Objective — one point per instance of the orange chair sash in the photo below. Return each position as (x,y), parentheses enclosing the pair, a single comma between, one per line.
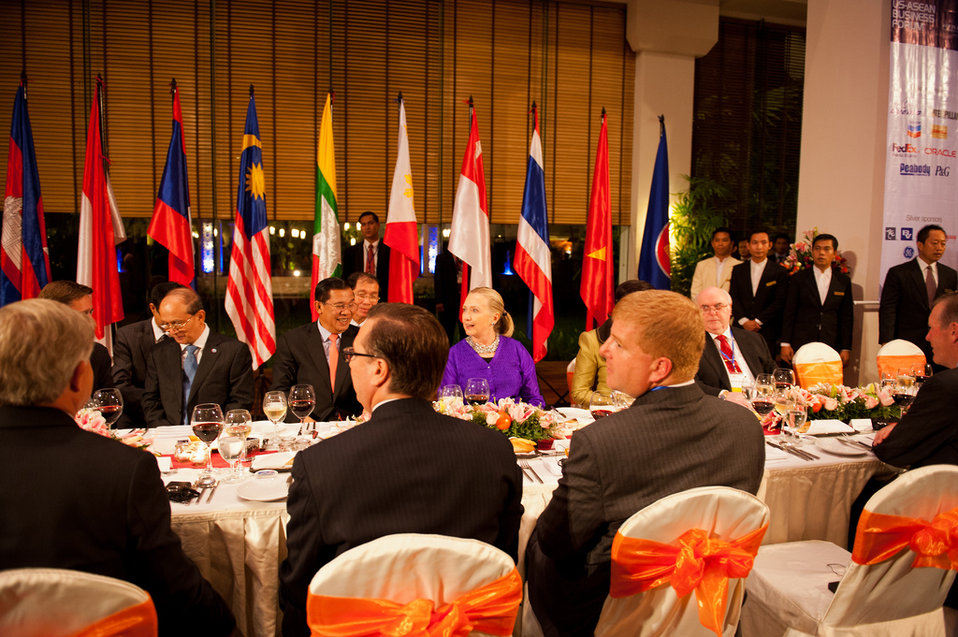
(695,562)
(890,364)
(882,536)
(823,372)
(489,609)
(134,621)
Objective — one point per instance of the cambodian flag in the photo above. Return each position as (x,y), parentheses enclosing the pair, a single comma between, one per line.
(24,258)
(533,260)
(654,259)
(171,224)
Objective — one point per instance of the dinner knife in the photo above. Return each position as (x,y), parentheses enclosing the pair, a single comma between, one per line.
(527,468)
(215,486)
(804,455)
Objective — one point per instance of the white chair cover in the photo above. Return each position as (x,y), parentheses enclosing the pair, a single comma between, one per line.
(788,587)
(49,602)
(569,375)
(409,566)
(726,514)
(898,354)
(817,363)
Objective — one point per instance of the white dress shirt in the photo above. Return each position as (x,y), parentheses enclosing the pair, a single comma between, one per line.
(200,344)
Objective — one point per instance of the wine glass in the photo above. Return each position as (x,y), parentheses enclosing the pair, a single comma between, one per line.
(477,391)
(621,400)
(795,417)
(783,377)
(762,392)
(207,422)
(109,402)
(302,401)
(888,380)
(274,406)
(905,390)
(231,449)
(450,391)
(239,424)
(922,373)
(601,405)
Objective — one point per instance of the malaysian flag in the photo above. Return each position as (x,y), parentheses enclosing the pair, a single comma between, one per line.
(24,258)
(533,260)
(249,293)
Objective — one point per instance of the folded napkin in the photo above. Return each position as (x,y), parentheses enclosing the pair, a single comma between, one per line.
(861,425)
(165,463)
(281,461)
(823,427)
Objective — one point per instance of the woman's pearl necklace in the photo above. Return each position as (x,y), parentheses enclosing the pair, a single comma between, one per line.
(483,349)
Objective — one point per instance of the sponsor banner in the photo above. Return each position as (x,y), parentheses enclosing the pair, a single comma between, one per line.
(921,151)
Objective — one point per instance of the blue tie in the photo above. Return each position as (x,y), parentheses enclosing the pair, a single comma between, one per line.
(189,373)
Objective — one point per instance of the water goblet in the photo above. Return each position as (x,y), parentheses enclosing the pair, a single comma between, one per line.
(783,377)
(207,422)
(239,424)
(109,402)
(450,395)
(231,449)
(477,391)
(795,417)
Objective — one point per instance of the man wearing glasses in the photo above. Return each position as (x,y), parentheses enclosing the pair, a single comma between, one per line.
(366,294)
(732,355)
(195,365)
(313,354)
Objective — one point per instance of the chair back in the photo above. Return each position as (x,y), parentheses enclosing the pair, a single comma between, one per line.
(816,363)
(569,375)
(899,354)
(420,579)
(722,513)
(50,602)
(865,591)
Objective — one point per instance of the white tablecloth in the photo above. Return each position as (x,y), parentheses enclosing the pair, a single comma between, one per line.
(238,545)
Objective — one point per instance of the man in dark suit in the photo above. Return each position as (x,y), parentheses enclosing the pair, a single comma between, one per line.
(407,470)
(131,352)
(195,365)
(76,500)
(758,289)
(819,305)
(911,287)
(80,298)
(732,355)
(673,437)
(303,354)
(371,256)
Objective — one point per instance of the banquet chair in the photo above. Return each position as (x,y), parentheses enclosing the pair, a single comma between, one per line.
(429,582)
(899,354)
(816,363)
(885,588)
(569,375)
(50,602)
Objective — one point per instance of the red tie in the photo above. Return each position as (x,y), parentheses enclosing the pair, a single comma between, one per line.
(728,356)
(371,260)
(333,360)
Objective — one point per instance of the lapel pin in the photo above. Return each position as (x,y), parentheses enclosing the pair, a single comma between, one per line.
(213,351)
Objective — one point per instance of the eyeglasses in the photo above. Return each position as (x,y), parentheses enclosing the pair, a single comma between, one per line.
(339,307)
(349,353)
(718,307)
(176,325)
(368,297)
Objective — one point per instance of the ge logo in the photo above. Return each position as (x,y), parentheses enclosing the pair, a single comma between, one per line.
(909,252)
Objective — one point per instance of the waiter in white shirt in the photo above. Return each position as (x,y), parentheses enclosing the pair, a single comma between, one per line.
(716,270)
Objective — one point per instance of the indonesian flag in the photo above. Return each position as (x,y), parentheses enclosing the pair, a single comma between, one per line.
(469,234)
(597,275)
(401,235)
(327,260)
(533,260)
(100,229)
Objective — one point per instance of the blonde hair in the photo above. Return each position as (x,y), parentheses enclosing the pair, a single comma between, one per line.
(41,343)
(668,325)
(504,325)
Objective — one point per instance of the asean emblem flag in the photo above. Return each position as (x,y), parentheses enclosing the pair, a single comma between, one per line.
(24,258)
(401,234)
(654,259)
(249,293)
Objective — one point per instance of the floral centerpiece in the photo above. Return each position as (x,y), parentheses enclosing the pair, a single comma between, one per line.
(516,420)
(800,255)
(825,401)
(92,420)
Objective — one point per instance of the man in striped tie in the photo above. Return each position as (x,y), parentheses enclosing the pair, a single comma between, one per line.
(732,355)
(371,256)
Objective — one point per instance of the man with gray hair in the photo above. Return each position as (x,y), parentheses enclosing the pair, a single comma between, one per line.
(77,500)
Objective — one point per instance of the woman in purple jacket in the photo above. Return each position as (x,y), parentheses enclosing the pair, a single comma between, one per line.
(488,352)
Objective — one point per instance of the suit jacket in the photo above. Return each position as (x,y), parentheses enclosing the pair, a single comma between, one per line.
(807,320)
(301,358)
(928,433)
(711,376)
(668,441)
(903,312)
(100,362)
(407,470)
(767,304)
(705,271)
(224,376)
(354,261)
(131,353)
(73,499)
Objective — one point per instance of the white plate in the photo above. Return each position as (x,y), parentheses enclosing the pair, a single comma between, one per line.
(836,447)
(581,415)
(261,490)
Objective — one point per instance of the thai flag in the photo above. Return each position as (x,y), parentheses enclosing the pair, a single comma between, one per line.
(24,258)
(533,260)
(249,292)
(171,224)
(654,259)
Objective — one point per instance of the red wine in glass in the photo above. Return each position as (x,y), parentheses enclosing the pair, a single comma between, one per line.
(782,386)
(763,407)
(110,413)
(903,400)
(601,413)
(476,399)
(302,407)
(207,431)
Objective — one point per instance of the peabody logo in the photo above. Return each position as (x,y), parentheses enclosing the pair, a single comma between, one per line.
(914,130)
(939,131)
(920,170)
(941,113)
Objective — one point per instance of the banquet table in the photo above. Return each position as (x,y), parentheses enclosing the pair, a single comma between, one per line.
(239,545)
